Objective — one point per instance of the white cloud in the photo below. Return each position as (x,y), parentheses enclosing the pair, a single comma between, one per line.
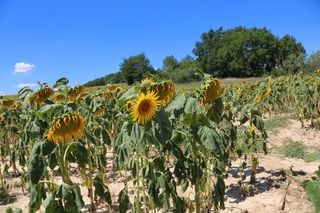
(26,85)
(22,67)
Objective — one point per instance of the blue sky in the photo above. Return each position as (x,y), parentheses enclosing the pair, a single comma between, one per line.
(43,40)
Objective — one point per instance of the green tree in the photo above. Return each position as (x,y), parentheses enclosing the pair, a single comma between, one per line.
(170,63)
(186,71)
(241,52)
(287,46)
(294,63)
(135,68)
(207,51)
(313,62)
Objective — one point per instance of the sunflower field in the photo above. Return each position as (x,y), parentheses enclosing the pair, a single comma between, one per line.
(170,151)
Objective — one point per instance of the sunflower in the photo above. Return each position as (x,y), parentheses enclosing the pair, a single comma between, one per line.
(211,91)
(7,104)
(165,91)
(112,88)
(99,111)
(59,97)
(65,128)
(1,118)
(16,105)
(41,96)
(129,105)
(75,92)
(145,107)
(119,89)
(107,95)
(264,95)
(148,81)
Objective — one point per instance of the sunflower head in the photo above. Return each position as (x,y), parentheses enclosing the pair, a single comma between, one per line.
(107,95)
(145,107)
(75,92)
(211,91)
(66,127)
(1,118)
(7,104)
(266,93)
(16,105)
(59,97)
(165,91)
(119,89)
(99,111)
(112,88)
(129,105)
(41,96)
(149,81)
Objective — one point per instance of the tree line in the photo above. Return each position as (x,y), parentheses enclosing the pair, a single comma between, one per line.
(236,52)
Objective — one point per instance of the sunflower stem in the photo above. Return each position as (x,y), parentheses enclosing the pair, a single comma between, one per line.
(138,186)
(62,165)
(143,187)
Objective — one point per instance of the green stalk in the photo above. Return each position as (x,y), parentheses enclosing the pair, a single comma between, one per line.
(62,165)
(197,197)
(197,188)
(138,185)
(93,208)
(143,188)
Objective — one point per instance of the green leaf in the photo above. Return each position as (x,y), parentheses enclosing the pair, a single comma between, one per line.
(218,193)
(212,141)
(36,164)
(258,122)
(46,111)
(176,104)
(127,95)
(215,112)
(195,120)
(123,200)
(162,128)
(47,147)
(36,194)
(105,137)
(61,81)
(78,153)
(78,197)
(192,105)
(102,190)
(313,191)
(137,133)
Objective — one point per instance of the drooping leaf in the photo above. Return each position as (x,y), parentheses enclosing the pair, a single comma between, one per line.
(102,190)
(61,81)
(195,119)
(36,164)
(176,104)
(192,105)
(162,128)
(212,141)
(123,200)
(215,112)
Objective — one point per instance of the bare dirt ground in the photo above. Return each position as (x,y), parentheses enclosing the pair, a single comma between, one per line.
(277,189)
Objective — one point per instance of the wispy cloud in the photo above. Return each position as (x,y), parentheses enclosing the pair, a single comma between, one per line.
(22,67)
(26,85)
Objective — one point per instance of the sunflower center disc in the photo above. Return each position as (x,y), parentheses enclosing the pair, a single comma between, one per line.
(144,107)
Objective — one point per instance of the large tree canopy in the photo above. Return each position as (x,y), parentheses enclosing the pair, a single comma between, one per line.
(135,68)
(242,52)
